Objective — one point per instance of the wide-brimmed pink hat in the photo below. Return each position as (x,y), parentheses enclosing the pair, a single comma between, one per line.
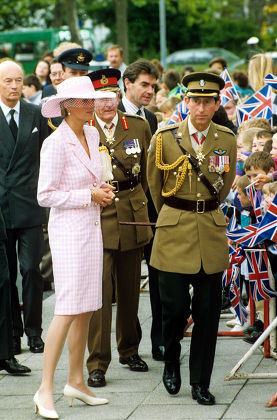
(75,88)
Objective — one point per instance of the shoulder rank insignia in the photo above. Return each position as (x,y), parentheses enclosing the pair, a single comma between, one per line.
(124,122)
(91,123)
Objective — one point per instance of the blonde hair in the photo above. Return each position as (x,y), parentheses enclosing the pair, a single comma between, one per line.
(259,66)
(247,137)
(242,182)
(255,122)
(169,104)
(270,188)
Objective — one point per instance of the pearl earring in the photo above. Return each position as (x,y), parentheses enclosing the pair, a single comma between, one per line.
(68,112)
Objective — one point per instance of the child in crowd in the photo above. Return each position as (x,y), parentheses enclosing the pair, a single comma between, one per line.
(161,96)
(255,122)
(245,217)
(167,108)
(260,139)
(254,332)
(259,163)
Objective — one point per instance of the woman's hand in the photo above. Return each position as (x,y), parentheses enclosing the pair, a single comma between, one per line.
(103,195)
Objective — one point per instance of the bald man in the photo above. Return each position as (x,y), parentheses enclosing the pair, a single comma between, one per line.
(22,131)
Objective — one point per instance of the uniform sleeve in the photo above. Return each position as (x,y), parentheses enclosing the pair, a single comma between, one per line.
(154,176)
(229,177)
(52,162)
(146,142)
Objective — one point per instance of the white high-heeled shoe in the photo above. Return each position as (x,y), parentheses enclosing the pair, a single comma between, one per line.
(70,393)
(44,412)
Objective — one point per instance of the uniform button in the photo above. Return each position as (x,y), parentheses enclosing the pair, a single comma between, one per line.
(198,195)
(112,150)
(135,156)
(95,184)
(175,173)
(85,205)
(116,199)
(143,203)
(198,179)
(96,223)
(114,166)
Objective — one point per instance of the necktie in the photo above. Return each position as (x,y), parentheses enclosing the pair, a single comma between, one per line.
(139,112)
(13,125)
(109,126)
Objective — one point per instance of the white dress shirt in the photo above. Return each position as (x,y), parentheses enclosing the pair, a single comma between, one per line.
(6,111)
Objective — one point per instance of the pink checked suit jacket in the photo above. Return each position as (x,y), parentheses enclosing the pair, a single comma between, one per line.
(66,177)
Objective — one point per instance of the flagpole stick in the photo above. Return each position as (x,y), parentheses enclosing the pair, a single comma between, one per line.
(265,334)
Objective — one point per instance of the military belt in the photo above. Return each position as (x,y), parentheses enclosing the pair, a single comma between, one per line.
(198,206)
(126,185)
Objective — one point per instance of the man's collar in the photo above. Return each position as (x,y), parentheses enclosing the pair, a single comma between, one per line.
(193,130)
(130,107)
(103,123)
(7,109)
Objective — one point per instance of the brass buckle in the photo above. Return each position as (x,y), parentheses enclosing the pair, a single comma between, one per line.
(199,205)
(116,186)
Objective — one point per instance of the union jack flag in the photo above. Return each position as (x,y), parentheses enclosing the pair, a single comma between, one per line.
(271,80)
(268,227)
(180,113)
(257,106)
(233,224)
(245,236)
(234,294)
(255,198)
(224,207)
(229,91)
(241,116)
(258,275)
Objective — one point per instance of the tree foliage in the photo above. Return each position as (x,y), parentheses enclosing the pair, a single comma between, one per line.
(190,24)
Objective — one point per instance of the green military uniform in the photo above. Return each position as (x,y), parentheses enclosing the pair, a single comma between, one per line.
(123,245)
(190,244)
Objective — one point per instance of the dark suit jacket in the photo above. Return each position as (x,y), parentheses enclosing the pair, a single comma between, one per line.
(19,168)
(48,90)
(151,118)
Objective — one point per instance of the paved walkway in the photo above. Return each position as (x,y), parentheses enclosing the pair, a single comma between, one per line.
(141,396)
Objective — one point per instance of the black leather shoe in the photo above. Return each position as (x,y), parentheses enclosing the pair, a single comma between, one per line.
(158,353)
(16,345)
(135,363)
(97,378)
(172,377)
(258,326)
(12,366)
(202,395)
(253,337)
(36,344)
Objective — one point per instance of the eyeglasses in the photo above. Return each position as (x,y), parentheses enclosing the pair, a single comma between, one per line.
(57,74)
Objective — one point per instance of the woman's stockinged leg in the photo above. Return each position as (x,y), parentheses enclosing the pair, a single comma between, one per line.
(55,339)
(77,339)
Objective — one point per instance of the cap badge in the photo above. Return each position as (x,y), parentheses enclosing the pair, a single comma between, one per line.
(81,58)
(202,82)
(104,80)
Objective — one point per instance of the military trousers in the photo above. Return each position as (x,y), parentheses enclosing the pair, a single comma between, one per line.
(205,308)
(125,268)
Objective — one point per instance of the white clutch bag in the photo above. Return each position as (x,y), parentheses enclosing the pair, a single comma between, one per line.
(106,162)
